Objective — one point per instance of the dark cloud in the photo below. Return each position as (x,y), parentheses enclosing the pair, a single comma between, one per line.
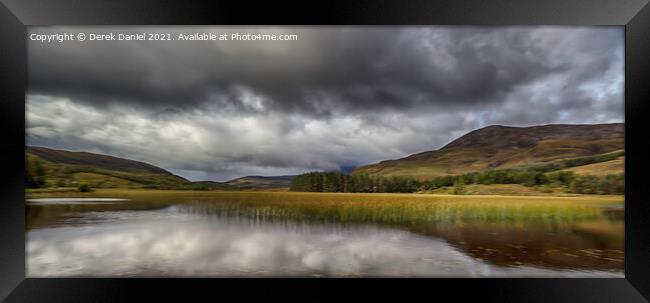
(351,69)
(337,97)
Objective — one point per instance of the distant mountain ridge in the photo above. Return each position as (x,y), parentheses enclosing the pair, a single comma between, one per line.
(250,182)
(500,146)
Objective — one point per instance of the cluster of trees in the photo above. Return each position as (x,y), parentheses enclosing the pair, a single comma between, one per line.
(525,177)
(611,184)
(34,173)
(363,183)
(357,183)
(35,176)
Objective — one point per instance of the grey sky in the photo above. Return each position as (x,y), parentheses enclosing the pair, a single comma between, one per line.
(337,97)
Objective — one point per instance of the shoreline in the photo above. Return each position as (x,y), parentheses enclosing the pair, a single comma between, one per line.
(121,191)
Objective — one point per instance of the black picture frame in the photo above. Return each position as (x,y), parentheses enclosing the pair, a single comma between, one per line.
(15,15)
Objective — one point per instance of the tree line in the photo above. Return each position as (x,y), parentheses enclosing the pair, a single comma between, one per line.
(357,183)
(363,183)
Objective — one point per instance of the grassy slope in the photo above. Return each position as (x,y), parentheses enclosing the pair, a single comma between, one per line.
(600,169)
(616,166)
(72,174)
(96,161)
(101,180)
(65,169)
(68,169)
(499,147)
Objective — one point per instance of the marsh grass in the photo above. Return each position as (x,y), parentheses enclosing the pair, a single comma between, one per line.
(376,208)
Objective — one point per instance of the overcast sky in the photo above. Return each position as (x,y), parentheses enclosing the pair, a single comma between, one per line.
(336,98)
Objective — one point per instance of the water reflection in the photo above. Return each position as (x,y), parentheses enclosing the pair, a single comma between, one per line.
(595,244)
(198,239)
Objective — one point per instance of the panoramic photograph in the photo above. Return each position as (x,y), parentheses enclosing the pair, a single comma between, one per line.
(325,151)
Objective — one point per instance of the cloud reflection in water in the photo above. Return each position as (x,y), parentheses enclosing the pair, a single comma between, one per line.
(152,244)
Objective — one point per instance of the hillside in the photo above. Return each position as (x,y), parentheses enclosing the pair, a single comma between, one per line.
(65,168)
(260,182)
(615,166)
(68,169)
(502,147)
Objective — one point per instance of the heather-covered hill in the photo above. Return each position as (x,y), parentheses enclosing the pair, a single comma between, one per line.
(502,147)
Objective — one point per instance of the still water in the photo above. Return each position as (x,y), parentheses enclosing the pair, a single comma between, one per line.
(110,237)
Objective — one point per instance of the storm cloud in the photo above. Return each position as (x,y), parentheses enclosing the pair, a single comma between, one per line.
(336,97)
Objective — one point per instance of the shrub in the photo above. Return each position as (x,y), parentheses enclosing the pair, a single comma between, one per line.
(561,178)
(83,187)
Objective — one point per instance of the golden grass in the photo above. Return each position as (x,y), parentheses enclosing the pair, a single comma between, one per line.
(380,208)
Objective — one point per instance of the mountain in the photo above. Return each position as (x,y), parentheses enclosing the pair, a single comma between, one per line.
(499,147)
(260,182)
(492,147)
(67,168)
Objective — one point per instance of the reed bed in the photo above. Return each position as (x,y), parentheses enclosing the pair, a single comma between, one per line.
(379,208)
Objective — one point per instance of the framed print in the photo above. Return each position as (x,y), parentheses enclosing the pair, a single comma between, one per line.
(438,146)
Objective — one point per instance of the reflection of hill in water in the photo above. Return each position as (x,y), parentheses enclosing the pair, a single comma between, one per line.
(44,215)
(592,244)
